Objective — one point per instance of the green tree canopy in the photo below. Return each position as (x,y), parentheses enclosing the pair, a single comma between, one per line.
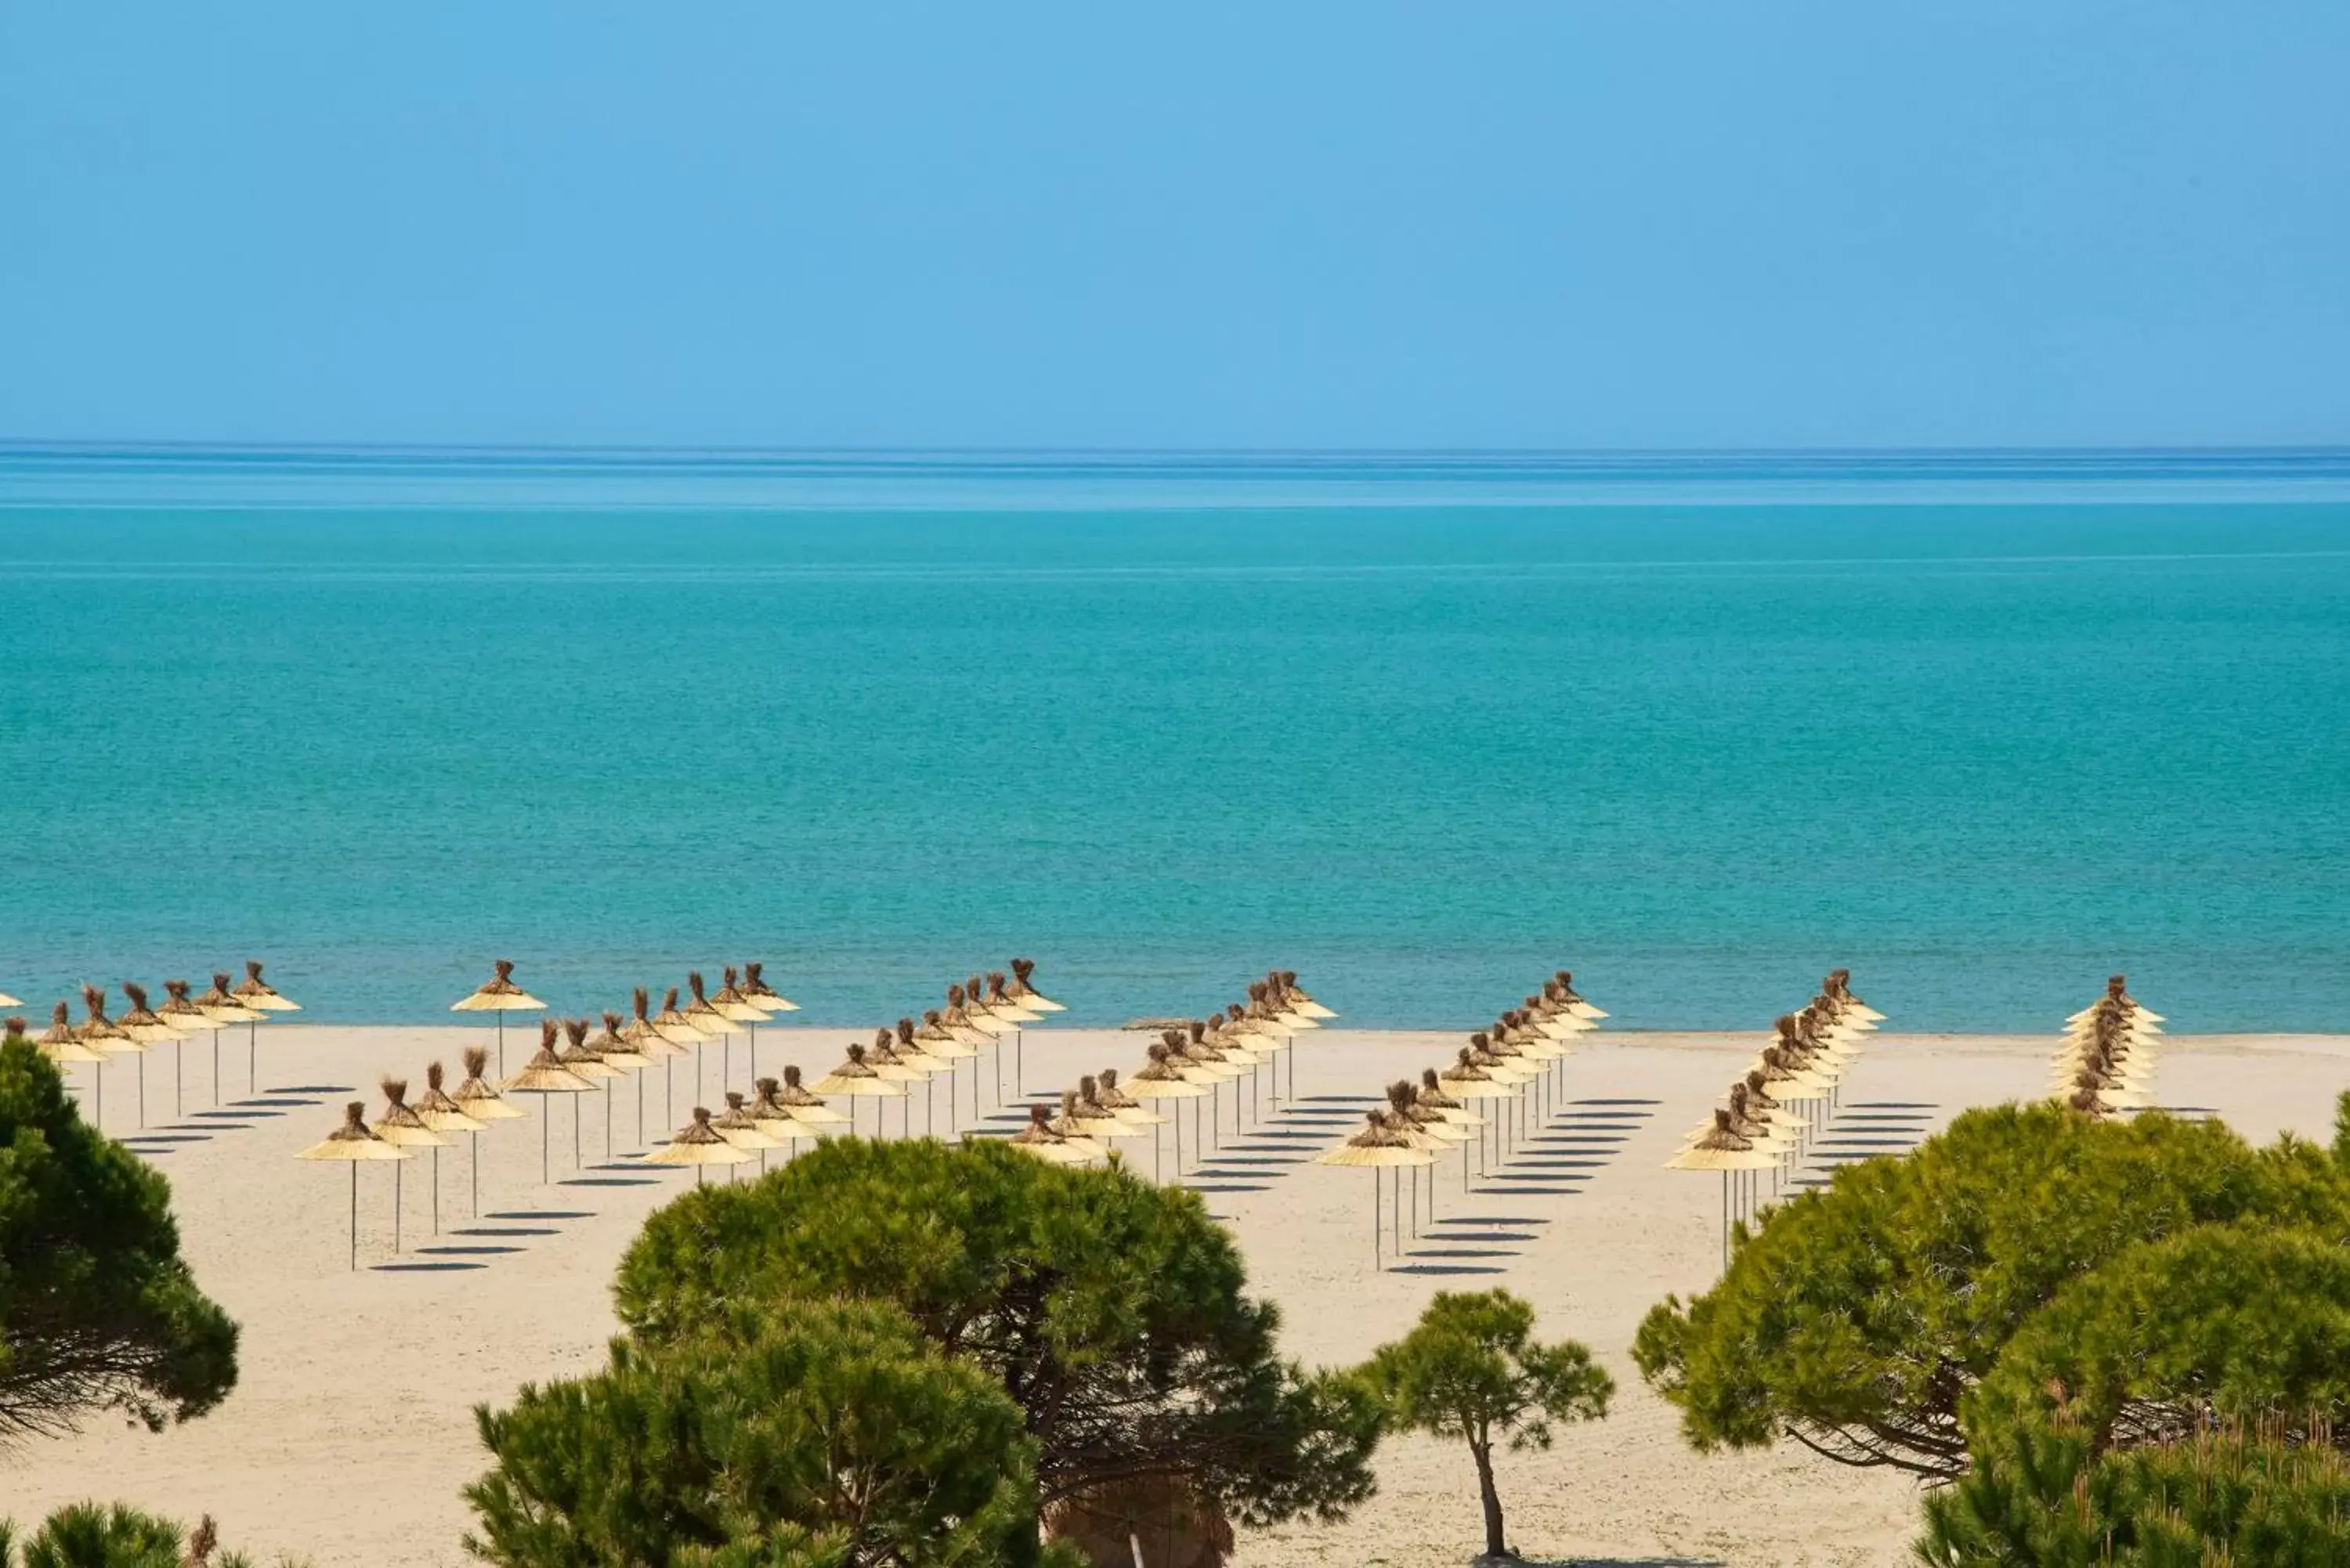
(97,1309)
(111,1535)
(1471,1369)
(1857,1318)
(2226,1495)
(2221,1323)
(833,1435)
(1112,1311)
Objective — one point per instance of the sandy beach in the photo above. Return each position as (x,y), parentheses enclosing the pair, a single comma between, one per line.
(350,1431)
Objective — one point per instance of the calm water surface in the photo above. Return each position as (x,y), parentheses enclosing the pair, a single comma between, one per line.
(1420,738)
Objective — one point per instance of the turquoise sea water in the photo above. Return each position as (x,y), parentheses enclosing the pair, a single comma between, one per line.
(1982,729)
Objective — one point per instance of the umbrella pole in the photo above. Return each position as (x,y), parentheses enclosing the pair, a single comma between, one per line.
(698,1096)
(355,1216)
(477,1164)
(1020,1061)
(753,1030)
(640,1110)
(216,1069)
(1378,1258)
(1156,1140)
(398,1171)
(179,1071)
(541,1139)
(574,1132)
(668,1088)
(1179,1142)
(142,1088)
(501,1016)
(436,1189)
(725,1063)
(253,1056)
(608,1121)
(98,1076)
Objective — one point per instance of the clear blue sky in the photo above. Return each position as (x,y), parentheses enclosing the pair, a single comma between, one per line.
(1548,225)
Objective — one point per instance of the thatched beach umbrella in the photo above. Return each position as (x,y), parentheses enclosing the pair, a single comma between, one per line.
(1441,1131)
(499,995)
(616,1050)
(716,1025)
(588,1065)
(479,1101)
(645,1037)
(1022,989)
(1164,1077)
(220,1008)
(935,1039)
(1039,1138)
(761,994)
(403,1128)
(141,1024)
(8,1001)
(99,1032)
(180,1012)
(1075,1134)
(775,1118)
(354,1143)
(682,1033)
(1096,1120)
(806,1106)
(262,998)
(882,1057)
(745,1010)
(436,1110)
(62,1044)
(859,1081)
(1719,1147)
(544,1075)
(697,1144)
(738,1126)
(1381,1146)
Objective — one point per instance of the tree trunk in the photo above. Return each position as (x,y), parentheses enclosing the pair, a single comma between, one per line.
(1494,1545)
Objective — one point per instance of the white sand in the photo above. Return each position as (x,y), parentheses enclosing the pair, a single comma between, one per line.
(350,1431)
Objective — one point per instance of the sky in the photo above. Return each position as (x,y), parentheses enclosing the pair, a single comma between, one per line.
(1500,224)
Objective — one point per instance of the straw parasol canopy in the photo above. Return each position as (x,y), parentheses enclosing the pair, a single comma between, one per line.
(1432,1095)
(857,1079)
(1023,990)
(776,1118)
(220,1006)
(701,1014)
(674,1025)
(1039,1138)
(1161,1079)
(436,1110)
(353,1141)
(968,997)
(1003,1004)
(8,1001)
(576,1055)
(1381,1144)
(615,1049)
(738,1126)
(62,1043)
(1074,1131)
(180,1011)
(804,1105)
(256,992)
(759,993)
(734,1004)
(141,1022)
(882,1057)
(354,1144)
(1113,1099)
(499,994)
(100,1031)
(545,1072)
(935,1039)
(477,1099)
(1425,1120)
(400,1126)
(1292,995)
(697,1143)
(1721,1146)
(642,1035)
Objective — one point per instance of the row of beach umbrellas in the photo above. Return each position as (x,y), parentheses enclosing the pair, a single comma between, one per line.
(2105,1062)
(1190,1062)
(775,1113)
(1773,1110)
(1498,1068)
(99,1036)
(980,1012)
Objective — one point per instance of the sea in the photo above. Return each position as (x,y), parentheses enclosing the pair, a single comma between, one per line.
(1983,727)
